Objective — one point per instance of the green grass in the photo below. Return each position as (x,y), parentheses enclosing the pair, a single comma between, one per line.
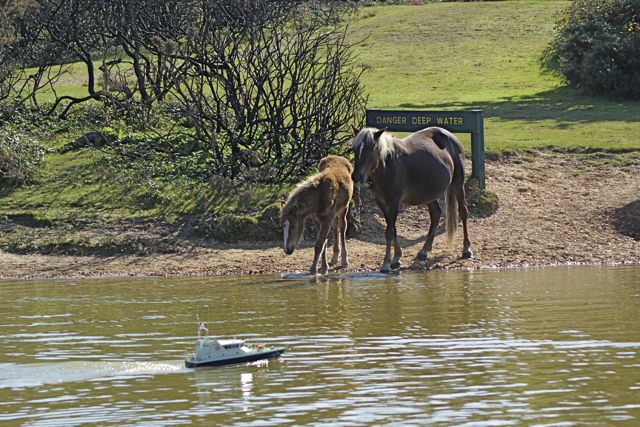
(72,82)
(78,185)
(434,56)
(80,205)
(485,55)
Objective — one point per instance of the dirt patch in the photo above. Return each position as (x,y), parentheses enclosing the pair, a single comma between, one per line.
(554,208)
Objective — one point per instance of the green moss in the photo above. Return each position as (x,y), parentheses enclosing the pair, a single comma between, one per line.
(482,203)
(487,203)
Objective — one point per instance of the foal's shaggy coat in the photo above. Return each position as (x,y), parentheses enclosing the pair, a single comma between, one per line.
(325,198)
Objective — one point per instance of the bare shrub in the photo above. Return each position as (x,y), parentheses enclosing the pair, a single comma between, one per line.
(272,78)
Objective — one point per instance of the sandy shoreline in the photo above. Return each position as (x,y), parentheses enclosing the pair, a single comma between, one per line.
(555,209)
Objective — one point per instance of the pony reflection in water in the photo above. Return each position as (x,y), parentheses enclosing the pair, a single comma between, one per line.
(325,198)
(415,170)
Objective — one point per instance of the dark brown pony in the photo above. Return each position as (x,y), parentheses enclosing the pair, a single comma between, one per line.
(415,170)
(325,198)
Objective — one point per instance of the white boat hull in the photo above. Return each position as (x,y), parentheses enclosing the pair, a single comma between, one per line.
(267,353)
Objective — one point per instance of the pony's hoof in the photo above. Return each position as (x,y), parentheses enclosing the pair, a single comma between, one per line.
(395,265)
(467,254)
(385,269)
(422,256)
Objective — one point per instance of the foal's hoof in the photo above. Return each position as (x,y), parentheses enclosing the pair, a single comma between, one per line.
(466,254)
(395,265)
(422,256)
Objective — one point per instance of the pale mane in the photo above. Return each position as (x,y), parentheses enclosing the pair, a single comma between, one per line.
(385,146)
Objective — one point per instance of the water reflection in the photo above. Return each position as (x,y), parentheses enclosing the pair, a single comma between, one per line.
(549,346)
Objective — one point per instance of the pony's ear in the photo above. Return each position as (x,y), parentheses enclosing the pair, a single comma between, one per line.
(355,130)
(379,133)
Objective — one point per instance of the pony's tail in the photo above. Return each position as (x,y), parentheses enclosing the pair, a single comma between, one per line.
(451,215)
(446,140)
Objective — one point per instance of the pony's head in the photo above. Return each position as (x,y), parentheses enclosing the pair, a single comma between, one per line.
(371,147)
(292,222)
(334,162)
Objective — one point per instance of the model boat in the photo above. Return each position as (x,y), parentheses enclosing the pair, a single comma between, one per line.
(213,352)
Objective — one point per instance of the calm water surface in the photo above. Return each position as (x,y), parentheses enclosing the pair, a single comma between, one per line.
(554,346)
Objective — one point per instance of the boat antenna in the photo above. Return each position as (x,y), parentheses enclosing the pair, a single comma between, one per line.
(201,325)
(198,316)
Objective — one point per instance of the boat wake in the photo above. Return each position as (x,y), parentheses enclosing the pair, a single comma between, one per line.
(33,375)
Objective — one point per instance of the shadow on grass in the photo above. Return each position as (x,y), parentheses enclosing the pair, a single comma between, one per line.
(7,187)
(562,104)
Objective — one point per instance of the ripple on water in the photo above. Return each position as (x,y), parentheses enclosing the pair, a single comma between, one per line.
(477,348)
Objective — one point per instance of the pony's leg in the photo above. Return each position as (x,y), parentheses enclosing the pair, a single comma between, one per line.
(336,241)
(342,227)
(390,216)
(320,248)
(397,250)
(435,211)
(463,213)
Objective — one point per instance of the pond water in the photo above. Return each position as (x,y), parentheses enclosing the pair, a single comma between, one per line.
(558,346)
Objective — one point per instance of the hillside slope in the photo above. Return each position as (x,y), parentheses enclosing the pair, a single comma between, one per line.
(433,56)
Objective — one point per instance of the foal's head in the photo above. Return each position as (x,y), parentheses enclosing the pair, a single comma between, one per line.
(292,222)
(371,147)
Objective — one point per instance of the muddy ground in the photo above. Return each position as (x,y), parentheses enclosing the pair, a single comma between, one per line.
(555,209)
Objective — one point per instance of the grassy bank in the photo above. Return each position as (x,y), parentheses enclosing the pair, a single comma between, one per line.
(477,55)
(79,203)
(433,56)
(485,55)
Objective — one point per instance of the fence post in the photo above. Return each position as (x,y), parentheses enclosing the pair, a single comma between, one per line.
(477,150)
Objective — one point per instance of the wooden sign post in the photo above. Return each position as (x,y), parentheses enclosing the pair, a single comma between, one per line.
(469,121)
